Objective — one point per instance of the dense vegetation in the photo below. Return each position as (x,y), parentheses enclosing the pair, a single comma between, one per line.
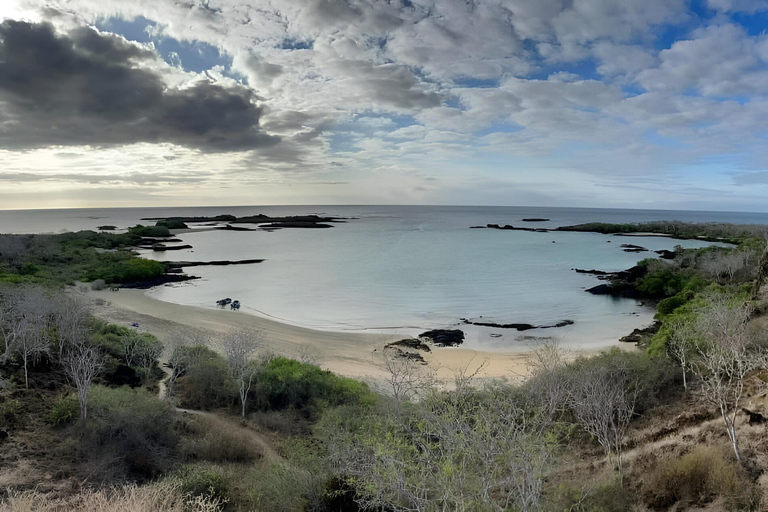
(715,231)
(640,430)
(62,259)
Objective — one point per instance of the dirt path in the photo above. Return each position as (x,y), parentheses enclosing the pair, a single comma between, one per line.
(265,448)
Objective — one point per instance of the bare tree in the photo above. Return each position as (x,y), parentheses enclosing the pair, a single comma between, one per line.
(681,346)
(603,399)
(24,316)
(82,362)
(725,357)
(239,347)
(548,382)
(406,379)
(70,317)
(180,357)
(141,350)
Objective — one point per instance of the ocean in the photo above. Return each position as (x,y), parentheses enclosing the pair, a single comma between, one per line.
(407,269)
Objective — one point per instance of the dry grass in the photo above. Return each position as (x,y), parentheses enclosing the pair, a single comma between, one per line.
(161,497)
(217,440)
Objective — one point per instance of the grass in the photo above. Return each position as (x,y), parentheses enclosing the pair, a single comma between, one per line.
(165,496)
(216,440)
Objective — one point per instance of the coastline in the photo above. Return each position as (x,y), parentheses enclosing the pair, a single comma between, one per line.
(352,354)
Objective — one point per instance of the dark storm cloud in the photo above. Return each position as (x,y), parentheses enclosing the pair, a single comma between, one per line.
(87,88)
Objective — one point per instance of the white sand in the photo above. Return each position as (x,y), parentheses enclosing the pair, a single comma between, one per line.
(357,355)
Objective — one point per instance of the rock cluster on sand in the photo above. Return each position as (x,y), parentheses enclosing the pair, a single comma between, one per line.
(444,337)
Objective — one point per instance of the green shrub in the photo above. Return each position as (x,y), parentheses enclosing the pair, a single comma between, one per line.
(149,231)
(123,267)
(208,383)
(602,496)
(29,269)
(284,383)
(216,440)
(65,410)
(135,425)
(12,413)
(670,304)
(654,377)
(197,481)
(699,477)
(172,223)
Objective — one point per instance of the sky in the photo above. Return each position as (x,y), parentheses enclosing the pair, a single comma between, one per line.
(657,104)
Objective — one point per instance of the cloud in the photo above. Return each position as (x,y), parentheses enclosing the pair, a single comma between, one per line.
(89,88)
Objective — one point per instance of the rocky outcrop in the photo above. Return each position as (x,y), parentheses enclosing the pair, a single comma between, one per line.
(444,337)
(295,221)
(642,336)
(177,264)
(517,326)
(535,219)
(509,227)
(666,255)
(162,248)
(633,248)
(159,280)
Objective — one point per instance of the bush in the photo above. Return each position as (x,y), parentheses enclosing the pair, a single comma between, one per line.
(202,482)
(670,304)
(65,410)
(208,383)
(654,377)
(149,231)
(135,425)
(123,267)
(602,496)
(216,440)
(165,496)
(699,477)
(172,224)
(98,285)
(284,383)
(12,414)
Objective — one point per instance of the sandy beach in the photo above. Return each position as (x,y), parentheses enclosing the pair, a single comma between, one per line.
(357,355)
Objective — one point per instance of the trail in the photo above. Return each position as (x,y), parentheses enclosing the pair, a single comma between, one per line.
(264,446)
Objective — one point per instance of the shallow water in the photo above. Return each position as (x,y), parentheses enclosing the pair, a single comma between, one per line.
(407,269)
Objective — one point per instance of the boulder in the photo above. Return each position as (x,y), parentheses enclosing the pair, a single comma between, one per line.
(444,337)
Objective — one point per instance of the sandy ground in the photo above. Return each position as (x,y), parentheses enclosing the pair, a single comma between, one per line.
(357,355)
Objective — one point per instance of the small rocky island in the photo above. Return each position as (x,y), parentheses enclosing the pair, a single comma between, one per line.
(263,221)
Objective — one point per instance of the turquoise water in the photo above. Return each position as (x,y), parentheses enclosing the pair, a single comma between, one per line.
(407,269)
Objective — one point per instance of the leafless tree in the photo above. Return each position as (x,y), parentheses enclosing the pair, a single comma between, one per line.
(82,362)
(406,379)
(603,399)
(180,358)
(141,350)
(24,316)
(308,355)
(70,317)
(725,357)
(548,382)
(681,346)
(239,347)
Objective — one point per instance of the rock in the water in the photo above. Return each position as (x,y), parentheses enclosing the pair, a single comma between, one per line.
(444,337)
(666,255)
(535,219)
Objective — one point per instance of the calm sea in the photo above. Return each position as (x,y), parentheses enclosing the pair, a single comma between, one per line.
(407,269)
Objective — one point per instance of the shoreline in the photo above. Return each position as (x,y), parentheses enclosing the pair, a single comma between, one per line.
(352,354)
